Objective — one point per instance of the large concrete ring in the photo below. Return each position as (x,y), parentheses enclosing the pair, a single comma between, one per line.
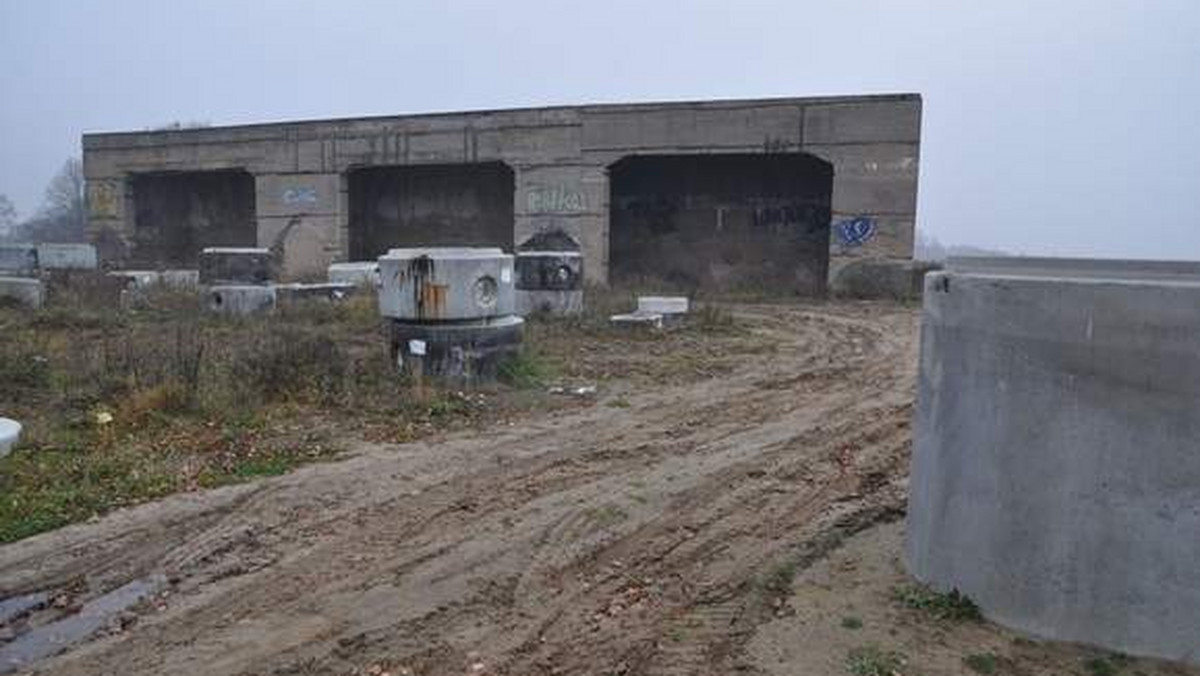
(1056,466)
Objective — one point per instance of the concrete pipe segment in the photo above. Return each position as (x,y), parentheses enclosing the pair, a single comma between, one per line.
(1056,462)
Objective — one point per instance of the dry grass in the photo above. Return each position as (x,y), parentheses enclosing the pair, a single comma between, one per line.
(122,406)
(126,405)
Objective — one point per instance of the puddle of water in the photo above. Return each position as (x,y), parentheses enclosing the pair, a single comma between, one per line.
(53,638)
(19,605)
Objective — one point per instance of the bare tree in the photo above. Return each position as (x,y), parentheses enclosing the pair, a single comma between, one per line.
(8,217)
(63,215)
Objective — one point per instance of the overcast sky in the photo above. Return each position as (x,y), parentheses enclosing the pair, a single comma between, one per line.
(1056,126)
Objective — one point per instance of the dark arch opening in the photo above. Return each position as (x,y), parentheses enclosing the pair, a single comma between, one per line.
(176,214)
(430,205)
(725,222)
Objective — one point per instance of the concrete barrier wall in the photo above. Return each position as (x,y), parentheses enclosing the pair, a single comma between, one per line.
(559,155)
(1056,467)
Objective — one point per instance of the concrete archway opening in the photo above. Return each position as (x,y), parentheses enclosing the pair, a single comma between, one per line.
(430,205)
(176,214)
(723,222)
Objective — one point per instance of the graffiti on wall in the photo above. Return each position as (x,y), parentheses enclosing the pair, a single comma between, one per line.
(555,199)
(854,232)
(786,214)
(300,196)
(102,199)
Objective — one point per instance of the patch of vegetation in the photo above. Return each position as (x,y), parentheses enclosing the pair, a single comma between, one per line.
(42,488)
(778,581)
(525,370)
(132,404)
(874,661)
(619,402)
(982,663)
(851,623)
(1106,666)
(608,514)
(951,606)
(709,317)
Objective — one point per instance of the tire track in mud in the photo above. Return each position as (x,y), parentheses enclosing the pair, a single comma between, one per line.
(603,541)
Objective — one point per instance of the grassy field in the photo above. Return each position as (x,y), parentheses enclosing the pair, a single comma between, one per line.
(121,406)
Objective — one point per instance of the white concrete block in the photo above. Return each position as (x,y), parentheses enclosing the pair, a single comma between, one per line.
(654,321)
(67,257)
(662,305)
(27,291)
(10,432)
(361,273)
(241,300)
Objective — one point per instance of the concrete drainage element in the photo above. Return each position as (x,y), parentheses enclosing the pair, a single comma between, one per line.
(220,266)
(445,284)
(10,432)
(360,274)
(25,291)
(550,282)
(655,312)
(549,279)
(463,351)
(1056,478)
(241,300)
(451,310)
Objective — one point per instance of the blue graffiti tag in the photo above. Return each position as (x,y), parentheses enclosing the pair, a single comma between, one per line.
(855,231)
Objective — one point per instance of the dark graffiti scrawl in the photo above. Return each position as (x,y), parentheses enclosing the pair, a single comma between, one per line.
(854,231)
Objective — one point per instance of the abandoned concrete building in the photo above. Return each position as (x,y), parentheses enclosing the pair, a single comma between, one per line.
(725,194)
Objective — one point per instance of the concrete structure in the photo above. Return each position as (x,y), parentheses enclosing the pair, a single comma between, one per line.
(10,432)
(361,274)
(450,284)
(18,260)
(549,282)
(241,299)
(67,257)
(772,192)
(297,292)
(655,312)
(463,352)
(1056,466)
(23,290)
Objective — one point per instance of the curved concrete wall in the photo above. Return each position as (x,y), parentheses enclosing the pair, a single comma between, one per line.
(1056,467)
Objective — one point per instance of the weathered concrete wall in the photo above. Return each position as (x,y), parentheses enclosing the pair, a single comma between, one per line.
(1056,468)
(559,156)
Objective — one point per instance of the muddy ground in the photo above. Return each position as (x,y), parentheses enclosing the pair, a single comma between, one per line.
(748,521)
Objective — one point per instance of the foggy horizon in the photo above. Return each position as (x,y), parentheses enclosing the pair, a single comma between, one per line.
(1046,130)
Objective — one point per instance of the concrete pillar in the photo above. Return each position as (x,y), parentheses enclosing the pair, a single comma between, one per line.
(572,198)
(300,219)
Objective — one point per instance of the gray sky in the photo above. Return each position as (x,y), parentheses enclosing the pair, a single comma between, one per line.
(1057,126)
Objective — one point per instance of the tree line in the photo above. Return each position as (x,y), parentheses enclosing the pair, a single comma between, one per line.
(62,217)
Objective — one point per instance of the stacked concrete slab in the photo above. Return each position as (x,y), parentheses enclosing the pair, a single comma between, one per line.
(1056,472)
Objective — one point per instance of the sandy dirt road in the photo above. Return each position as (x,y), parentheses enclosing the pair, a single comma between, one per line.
(648,538)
